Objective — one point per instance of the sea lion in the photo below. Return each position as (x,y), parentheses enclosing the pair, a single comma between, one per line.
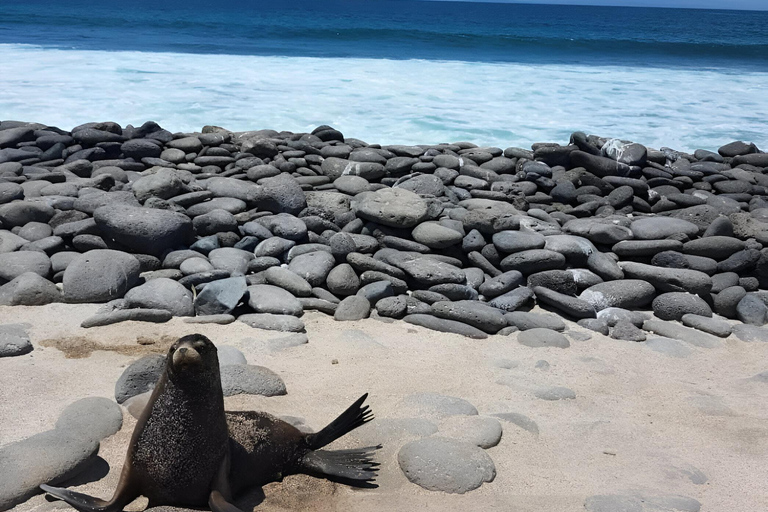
(179,450)
(265,449)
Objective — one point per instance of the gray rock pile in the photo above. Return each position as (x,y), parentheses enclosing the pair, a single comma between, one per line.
(263,225)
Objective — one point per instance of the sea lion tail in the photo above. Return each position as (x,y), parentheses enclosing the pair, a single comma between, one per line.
(354,467)
(347,421)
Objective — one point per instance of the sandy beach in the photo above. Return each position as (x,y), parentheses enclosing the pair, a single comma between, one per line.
(643,424)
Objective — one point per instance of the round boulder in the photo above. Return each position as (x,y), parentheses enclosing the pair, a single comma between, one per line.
(394,207)
(144,230)
(100,275)
(673,305)
(162,293)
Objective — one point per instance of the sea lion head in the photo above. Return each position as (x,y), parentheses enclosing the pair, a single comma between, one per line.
(192,357)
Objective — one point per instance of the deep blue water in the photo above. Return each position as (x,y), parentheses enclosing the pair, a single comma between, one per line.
(397,29)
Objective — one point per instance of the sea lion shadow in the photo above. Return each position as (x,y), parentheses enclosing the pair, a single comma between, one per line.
(252,499)
(93,470)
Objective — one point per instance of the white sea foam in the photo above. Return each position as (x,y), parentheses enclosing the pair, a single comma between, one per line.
(386,101)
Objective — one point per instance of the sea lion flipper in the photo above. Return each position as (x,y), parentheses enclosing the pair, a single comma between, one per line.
(80,501)
(218,503)
(353,417)
(355,467)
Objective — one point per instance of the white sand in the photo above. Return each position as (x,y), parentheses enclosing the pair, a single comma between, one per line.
(642,424)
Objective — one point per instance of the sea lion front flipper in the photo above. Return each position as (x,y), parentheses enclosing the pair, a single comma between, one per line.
(218,503)
(220,489)
(80,501)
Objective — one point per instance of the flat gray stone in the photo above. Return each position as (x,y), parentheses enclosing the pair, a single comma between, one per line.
(657,228)
(521,420)
(539,337)
(669,279)
(266,298)
(436,236)
(66,450)
(251,380)
(352,308)
(622,293)
(161,293)
(221,319)
(100,275)
(284,278)
(395,207)
(444,325)
(471,312)
(526,320)
(482,431)
(14,340)
(139,377)
(144,230)
(669,346)
(750,333)
(434,406)
(230,355)
(440,464)
(709,325)
(673,305)
(431,272)
(13,264)
(314,267)
(156,316)
(270,322)
(554,393)
(220,297)
(680,332)
(285,342)
(29,289)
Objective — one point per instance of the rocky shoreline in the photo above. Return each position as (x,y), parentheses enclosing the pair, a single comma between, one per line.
(261,226)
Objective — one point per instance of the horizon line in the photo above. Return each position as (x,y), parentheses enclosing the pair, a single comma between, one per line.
(598,3)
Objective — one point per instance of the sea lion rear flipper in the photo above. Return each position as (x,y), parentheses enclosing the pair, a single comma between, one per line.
(80,501)
(347,421)
(354,467)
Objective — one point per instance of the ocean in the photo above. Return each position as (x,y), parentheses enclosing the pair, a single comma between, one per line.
(392,71)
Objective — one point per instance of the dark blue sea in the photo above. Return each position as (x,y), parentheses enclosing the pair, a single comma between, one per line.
(391,70)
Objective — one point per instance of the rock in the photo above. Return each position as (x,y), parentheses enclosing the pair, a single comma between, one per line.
(248,379)
(525,320)
(141,148)
(19,213)
(520,420)
(638,248)
(220,297)
(392,307)
(440,464)
(444,325)
(657,228)
(750,333)
(271,322)
(376,291)
(560,281)
(164,184)
(668,346)
(431,272)
(532,261)
(554,393)
(214,222)
(14,264)
(640,503)
(100,275)
(123,315)
(709,325)
(627,331)
(572,306)
(624,293)
(612,316)
(752,310)
(139,377)
(352,308)
(234,261)
(673,305)
(669,279)
(671,330)
(436,236)
(314,267)
(717,247)
(342,280)
(481,431)
(266,298)
(221,319)
(539,337)
(284,278)
(228,354)
(29,289)
(395,207)
(474,313)
(726,302)
(516,241)
(144,230)
(10,242)
(14,341)
(501,284)
(68,448)
(512,300)
(161,293)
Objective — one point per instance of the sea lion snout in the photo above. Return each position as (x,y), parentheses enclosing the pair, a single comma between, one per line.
(186,356)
